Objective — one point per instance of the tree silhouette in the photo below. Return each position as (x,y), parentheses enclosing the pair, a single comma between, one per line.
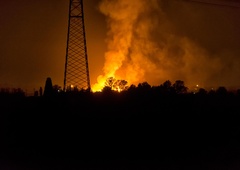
(202,91)
(221,90)
(179,87)
(114,84)
(107,89)
(48,89)
(166,88)
(144,86)
(167,84)
(109,82)
(120,85)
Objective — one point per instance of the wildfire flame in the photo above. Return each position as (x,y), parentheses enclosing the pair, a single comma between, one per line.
(142,47)
(122,61)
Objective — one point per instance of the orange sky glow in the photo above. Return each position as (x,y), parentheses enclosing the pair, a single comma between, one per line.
(137,41)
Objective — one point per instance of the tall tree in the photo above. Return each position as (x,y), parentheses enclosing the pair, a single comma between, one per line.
(48,89)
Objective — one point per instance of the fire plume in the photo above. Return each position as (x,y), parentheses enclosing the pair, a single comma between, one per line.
(144,46)
(123,58)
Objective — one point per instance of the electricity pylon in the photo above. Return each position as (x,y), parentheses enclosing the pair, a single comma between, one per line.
(76,74)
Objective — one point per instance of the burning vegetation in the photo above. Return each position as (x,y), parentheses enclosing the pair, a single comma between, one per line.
(145,43)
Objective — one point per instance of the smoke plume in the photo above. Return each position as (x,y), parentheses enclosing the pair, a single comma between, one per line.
(144,45)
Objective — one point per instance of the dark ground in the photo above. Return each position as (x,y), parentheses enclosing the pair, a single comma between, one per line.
(120,133)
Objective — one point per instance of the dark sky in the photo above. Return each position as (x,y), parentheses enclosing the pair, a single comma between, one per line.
(137,40)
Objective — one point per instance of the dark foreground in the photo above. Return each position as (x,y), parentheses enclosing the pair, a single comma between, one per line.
(85,132)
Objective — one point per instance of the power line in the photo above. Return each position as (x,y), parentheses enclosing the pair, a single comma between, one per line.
(234,3)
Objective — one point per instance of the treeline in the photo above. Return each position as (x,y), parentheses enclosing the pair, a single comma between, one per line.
(112,86)
(140,122)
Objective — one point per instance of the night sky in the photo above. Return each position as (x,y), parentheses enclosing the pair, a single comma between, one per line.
(138,40)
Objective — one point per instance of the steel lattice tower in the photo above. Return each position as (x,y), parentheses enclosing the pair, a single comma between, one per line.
(76,74)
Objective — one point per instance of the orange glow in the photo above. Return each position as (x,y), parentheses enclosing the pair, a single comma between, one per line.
(118,67)
(142,46)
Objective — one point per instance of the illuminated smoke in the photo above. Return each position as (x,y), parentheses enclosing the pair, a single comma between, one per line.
(143,46)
